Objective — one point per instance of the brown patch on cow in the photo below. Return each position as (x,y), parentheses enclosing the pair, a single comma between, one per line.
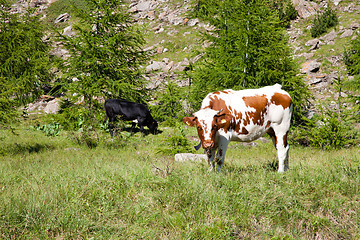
(285,139)
(218,104)
(244,131)
(272,134)
(281,99)
(259,103)
(267,124)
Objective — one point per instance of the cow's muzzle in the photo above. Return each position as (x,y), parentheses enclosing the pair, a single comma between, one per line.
(208,146)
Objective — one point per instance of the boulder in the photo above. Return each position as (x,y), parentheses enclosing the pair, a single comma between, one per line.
(155,66)
(329,37)
(52,106)
(68,31)
(62,18)
(193,22)
(183,157)
(144,6)
(314,43)
(354,26)
(304,8)
(336,2)
(310,66)
(347,33)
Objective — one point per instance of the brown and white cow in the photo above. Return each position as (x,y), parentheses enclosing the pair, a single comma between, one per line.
(243,116)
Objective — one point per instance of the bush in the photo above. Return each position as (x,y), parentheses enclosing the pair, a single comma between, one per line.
(169,108)
(286,11)
(352,57)
(88,137)
(177,143)
(52,129)
(323,21)
(326,131)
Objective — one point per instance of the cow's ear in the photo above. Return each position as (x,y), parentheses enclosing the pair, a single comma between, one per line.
(223,121)
(190,121)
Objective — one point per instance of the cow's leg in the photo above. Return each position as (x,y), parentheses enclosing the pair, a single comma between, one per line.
(111,125)
(133,124)
(282,150)
(211,157)
(220,156)
(141,122)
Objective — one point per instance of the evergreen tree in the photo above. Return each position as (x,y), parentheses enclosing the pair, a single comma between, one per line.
(24,60)
(352,57)
(106,55)
(249,49)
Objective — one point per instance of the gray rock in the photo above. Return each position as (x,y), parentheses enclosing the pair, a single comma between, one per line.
(347,33)
(62,18)
(304,8)
(183,157)
(155,66)
(310,66)
(193,22)
(52,106)
(336,2)
(330,36)
(354,26)
(37,3)
(144,6)
(314,43)
(68,31)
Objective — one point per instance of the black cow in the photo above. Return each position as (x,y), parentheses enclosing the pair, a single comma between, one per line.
(129,111)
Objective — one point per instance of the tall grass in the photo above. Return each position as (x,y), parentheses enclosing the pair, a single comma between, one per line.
(52,188)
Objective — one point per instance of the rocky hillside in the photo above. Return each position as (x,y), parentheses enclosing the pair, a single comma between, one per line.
(172,36)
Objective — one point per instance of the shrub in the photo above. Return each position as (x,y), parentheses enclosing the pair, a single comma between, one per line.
(323,21)
(52,129)
(351,57)
(326,131)
(169,108)
(177,143)
(87,137)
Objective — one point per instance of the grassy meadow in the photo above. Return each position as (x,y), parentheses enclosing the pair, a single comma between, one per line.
(129,188)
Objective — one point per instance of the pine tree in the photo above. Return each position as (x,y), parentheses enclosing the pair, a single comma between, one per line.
(24,60)
(249,49)
(106,54)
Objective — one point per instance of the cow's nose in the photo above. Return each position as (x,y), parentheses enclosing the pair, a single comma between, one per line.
(208,145)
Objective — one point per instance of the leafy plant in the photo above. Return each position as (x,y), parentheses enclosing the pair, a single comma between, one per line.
(351,57)
(177,143)
(322,22)
(326,131)
(332,129)
(51,129)
(88,137)
(169,107)
(286,11)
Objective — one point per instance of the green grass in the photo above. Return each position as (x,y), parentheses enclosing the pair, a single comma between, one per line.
(125,188)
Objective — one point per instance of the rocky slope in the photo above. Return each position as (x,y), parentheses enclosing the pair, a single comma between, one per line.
(172,36)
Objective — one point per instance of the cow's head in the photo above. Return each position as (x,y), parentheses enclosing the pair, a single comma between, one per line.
(153,125)
(208,122)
